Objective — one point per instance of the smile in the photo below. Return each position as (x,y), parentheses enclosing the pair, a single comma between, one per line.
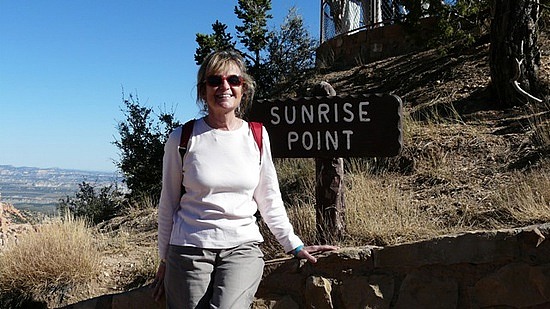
(223,96)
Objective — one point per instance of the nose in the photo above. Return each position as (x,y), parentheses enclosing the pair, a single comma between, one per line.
(225,84)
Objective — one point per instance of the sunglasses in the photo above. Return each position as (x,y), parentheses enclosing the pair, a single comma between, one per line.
(216,80)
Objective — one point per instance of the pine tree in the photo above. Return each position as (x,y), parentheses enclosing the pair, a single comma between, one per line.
(253,32)
(208,43)
(291,52)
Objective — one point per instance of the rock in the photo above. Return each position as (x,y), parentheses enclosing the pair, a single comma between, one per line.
(285,302)
(318,292)
(423,290)
(473,247)
(517,285)
(375,291)
(138,298)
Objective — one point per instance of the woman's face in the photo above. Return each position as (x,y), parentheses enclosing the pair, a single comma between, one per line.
(224,90)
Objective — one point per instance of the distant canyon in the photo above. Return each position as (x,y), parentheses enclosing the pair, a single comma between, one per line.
(40,189)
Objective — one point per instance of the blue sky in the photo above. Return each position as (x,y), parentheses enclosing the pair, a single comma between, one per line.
(64,65)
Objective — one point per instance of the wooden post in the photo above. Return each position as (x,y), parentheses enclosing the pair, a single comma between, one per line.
(329,188)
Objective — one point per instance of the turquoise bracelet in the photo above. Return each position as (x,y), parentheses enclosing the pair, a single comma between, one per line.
(298,249)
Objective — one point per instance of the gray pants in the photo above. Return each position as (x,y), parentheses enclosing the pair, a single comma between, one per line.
(212,278)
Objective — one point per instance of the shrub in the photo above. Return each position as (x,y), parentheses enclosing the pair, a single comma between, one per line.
(141,144)
(45,264)
(96,205)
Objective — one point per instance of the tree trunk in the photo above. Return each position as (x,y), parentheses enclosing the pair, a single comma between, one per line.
(514,35)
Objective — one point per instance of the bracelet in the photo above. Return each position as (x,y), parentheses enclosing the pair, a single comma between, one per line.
(298,249)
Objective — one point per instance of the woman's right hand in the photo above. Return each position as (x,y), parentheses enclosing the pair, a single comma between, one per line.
(308,251)
(158,283)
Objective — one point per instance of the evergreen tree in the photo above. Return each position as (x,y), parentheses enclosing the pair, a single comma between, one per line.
(275,58)
(253,32)
(208,43)
(291,52)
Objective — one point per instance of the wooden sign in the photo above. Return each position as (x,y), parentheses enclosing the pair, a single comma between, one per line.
(332,126)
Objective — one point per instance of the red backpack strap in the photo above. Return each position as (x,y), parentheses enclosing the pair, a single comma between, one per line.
(186,131)
(256,128)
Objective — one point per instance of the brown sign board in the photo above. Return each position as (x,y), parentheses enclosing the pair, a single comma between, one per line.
(367,125)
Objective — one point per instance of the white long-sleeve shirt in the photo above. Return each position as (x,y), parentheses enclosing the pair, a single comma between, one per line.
(225,183)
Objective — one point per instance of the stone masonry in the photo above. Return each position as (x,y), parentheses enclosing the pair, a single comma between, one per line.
(483,269)
(369,45)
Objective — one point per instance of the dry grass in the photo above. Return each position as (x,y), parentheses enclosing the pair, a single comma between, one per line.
(59,258)
(129,247)
(383,209)
(378,212)
(528,201)
(296,180)
(540,126)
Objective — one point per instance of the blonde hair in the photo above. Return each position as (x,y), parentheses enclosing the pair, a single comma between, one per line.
(219,61)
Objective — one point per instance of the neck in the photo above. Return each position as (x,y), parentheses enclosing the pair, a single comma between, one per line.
(226,122)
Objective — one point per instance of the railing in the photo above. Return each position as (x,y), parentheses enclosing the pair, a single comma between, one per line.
(349,16)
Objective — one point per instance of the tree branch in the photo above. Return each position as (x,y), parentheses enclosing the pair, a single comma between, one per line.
(515,83)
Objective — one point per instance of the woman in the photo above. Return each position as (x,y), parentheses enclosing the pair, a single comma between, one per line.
(208,237)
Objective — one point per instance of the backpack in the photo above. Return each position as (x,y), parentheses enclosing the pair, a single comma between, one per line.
(187,130)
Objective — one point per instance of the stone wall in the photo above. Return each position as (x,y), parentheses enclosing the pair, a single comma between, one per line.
(369,45)
(484,269)
(494,269)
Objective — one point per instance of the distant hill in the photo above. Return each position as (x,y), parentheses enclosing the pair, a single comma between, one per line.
(39,189)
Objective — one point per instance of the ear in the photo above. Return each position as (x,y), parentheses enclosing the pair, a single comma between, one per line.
(202,93)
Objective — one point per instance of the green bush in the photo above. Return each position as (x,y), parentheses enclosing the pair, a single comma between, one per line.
(96,204)
(141,144)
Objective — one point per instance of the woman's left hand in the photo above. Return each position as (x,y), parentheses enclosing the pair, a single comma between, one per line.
(307,252)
